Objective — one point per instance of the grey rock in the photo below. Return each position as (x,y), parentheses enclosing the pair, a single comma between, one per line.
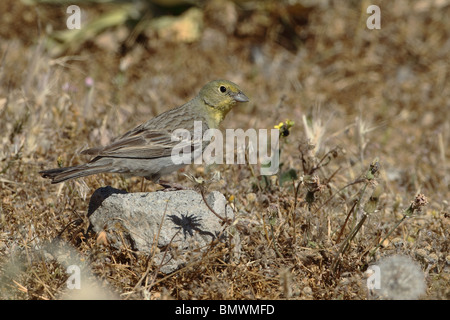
(99,195)
(175,227)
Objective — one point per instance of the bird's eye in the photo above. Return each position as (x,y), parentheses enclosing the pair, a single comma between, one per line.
(222,89)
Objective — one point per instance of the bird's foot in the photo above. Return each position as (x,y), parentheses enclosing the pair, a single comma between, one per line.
(169,186)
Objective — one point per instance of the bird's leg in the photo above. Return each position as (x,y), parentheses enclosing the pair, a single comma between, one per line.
(170,186)
(142,184)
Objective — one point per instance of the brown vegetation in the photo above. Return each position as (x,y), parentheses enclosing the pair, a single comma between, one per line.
(371,137)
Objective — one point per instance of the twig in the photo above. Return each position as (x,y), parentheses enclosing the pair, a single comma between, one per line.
(147,271)
(345,222)
(211,209)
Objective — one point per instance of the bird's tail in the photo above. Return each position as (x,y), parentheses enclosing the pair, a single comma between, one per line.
(58,175)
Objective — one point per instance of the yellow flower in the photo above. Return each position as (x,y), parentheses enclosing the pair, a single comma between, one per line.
(279,126)
(284,127)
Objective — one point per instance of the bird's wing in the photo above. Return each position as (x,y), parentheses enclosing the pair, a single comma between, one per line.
(145,144)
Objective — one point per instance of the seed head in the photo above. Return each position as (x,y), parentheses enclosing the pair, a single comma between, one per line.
(401,278)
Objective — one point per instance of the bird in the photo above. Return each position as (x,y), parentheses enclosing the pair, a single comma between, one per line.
(146,150)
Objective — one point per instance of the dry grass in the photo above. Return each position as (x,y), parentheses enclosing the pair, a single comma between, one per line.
(356,94)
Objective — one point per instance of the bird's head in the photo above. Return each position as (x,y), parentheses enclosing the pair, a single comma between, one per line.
(222,95)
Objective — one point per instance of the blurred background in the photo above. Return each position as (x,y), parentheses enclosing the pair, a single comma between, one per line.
(367,93)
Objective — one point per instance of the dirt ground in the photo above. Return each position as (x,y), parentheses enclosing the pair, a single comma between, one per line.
(365,168)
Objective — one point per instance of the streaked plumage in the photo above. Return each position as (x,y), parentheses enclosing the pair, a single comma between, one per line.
(146,150)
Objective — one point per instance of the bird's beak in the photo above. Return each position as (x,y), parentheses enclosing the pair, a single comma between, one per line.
(240,97)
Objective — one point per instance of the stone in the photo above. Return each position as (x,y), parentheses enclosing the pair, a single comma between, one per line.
(175,227)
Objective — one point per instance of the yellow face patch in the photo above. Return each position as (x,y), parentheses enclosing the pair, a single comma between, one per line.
(218,113)
(219,97)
